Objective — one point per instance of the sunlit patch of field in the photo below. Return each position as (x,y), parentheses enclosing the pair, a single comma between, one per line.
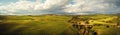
(102,30)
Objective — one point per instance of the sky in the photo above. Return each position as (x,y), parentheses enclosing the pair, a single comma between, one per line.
(70,7)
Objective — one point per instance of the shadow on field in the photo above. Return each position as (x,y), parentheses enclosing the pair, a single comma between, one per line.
(2,17)
(5,27)
(18,29)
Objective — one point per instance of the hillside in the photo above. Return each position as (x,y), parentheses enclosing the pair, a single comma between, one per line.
(54,24)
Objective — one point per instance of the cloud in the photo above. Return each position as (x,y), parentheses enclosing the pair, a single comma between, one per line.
(23,7)
(93,6)
(0,3)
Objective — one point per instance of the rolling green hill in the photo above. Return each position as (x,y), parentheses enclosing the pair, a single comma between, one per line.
(54,25)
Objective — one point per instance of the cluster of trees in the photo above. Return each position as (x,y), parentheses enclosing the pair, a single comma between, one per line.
(83,29)
(87,30)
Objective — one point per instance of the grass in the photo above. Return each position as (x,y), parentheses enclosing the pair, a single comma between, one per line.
(42,25)
(103,30)
(52,25)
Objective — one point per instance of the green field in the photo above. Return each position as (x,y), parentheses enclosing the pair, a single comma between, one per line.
(54,25)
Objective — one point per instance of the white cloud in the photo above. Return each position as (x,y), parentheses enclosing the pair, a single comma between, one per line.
(89,5)
(0,4)
(60,6)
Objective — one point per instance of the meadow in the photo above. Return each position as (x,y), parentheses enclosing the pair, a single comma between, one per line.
(56,24)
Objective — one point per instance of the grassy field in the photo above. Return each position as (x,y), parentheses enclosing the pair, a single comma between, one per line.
(54,25)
